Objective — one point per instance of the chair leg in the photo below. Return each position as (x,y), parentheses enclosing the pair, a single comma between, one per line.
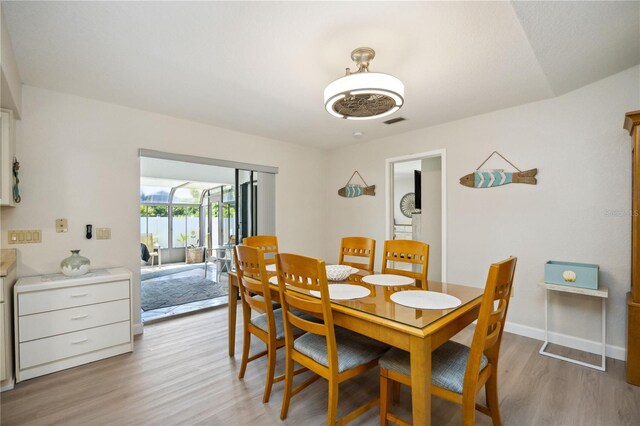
(384,399)
(246,345)
(271,369)
(288,384)
(491,392)
(333,403)
(468,410)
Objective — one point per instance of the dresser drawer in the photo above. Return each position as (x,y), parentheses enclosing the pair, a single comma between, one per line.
(51,323)
(67,345)
(69,297)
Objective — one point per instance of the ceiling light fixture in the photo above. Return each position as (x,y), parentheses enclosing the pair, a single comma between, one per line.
(364,95)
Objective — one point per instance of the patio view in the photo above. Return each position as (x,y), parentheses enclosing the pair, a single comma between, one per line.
(186,231)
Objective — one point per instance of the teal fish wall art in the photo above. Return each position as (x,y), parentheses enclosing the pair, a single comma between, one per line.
(493,178)
(490,178)
(351,190)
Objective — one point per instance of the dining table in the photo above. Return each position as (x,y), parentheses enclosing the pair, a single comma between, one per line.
(417,331)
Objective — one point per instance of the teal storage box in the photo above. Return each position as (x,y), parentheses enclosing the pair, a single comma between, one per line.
(582,275)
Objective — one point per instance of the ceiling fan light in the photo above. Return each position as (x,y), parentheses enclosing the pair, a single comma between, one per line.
(364,95)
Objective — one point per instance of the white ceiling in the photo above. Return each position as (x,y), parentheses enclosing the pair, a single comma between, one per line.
(261,67)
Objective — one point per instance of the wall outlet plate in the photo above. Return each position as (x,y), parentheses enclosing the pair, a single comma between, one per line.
(103,233)
(61,225)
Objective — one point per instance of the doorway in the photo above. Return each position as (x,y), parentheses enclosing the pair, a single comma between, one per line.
(416,204)
(192,214)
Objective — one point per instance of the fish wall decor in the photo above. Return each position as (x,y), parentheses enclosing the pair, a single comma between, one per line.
(490,178)
(351,190)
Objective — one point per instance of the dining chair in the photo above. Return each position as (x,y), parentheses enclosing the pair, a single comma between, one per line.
(459,372)
(410,253)
(267,325)
(358,247)
(333,353)
(267,243)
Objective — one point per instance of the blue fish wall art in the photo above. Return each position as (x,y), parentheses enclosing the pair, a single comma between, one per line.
(493,178)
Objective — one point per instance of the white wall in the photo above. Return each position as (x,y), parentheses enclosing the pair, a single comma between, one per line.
(79,160)
(583,155)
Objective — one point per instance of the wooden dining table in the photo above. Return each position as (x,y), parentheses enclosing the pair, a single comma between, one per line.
(416,331)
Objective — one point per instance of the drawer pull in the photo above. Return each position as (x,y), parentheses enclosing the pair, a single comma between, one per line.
(77,342)
(80,317)
(80,295)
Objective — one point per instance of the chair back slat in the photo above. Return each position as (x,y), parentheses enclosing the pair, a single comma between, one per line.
(488,334)
(253,282)
(407,252)
(252,292)
(297,273)
(267,243)
(306,325)
(361,247)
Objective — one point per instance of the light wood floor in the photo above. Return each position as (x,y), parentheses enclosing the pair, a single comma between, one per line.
(181,374)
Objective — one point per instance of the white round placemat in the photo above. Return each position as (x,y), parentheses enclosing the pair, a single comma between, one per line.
(388,280)
(274,280)
(344,292)
(420,299)
(271,267)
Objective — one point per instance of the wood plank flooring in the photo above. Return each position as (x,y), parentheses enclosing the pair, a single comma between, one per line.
(180,374)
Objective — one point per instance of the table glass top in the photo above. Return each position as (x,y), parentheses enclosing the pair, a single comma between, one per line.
(379,301)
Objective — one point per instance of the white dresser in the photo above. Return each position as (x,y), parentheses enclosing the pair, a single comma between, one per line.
(61,322)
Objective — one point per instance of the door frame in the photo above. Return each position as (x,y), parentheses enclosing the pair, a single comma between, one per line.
(389,193)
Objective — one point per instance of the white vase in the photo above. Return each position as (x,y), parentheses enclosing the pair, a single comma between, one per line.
(75,265)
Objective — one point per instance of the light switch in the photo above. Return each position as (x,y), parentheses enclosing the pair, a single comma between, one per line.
(25,236)
(61,225)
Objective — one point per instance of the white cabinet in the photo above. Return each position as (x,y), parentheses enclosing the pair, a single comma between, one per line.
(62,322)
(7,154)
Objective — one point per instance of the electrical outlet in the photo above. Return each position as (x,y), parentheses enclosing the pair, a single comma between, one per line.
(61,225)
(103,233)
(28,236)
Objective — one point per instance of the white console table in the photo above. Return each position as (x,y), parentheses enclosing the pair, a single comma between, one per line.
(602,293)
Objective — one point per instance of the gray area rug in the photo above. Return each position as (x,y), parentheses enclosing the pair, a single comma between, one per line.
(178,291)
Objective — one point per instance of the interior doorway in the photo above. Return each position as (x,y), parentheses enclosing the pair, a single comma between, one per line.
(192,214)
(416,204)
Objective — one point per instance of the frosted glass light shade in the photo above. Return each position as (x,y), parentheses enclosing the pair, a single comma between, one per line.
(364,95)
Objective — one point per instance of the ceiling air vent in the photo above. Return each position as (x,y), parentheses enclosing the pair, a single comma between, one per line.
(394,120)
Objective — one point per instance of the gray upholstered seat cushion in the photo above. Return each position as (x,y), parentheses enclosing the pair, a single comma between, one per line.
(260,321)
(353,349)
(448,364)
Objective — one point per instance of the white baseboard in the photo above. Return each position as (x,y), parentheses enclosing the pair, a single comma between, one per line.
(578,343)
(138,329)
(8,386)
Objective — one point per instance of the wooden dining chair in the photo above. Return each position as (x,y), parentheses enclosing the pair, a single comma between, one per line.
(267,243)
(334,354)
(458,372)
(410,253)
(267,325)
(358,247)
